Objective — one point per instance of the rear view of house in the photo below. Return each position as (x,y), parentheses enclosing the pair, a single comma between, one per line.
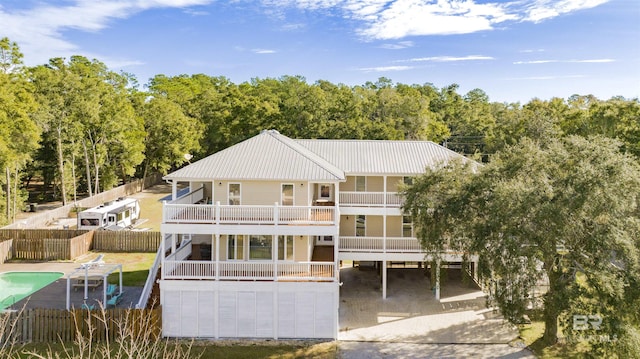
(252,248)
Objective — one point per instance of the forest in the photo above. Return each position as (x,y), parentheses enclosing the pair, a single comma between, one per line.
(79,128)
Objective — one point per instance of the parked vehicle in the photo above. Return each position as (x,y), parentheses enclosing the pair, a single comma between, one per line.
(112,215)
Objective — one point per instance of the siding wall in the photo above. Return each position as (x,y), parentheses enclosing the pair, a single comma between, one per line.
(210,309)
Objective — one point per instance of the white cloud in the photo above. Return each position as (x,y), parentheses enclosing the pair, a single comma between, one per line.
(263,51)
(39,30)
(448,58)
(396,19)
(398,45)
(385,68)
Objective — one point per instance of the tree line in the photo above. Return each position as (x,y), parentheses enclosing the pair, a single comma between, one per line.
(81,128)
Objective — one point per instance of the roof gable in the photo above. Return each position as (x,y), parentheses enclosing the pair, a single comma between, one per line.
(267,156)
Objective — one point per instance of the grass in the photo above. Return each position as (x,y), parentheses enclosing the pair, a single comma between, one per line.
(532,333)
(229,350)
(135,266)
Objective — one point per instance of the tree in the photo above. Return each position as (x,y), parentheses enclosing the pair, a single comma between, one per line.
(567,210)
(170,135)
(19,134)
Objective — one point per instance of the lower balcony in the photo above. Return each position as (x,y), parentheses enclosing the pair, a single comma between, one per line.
(380,244)
(246,270)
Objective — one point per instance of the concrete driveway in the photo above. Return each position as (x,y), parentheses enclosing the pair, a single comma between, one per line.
(410,323)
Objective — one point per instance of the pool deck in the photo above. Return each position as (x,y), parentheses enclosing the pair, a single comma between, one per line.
(54,295)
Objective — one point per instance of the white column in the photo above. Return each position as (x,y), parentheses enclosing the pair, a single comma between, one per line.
(336,237)
(174,190)
(437,279)
(217,255)
(68,293)
(274,255)
(384,279)
(173,243)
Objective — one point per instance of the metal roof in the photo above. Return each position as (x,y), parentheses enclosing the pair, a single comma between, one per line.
(381,157)
(267,156)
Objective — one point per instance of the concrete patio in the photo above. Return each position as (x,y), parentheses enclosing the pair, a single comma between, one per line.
(54,296)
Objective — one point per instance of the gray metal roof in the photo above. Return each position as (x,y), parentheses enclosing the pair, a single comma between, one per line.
(381,157)
(267,156)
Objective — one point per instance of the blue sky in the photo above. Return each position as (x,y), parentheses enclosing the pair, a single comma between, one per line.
(514,50)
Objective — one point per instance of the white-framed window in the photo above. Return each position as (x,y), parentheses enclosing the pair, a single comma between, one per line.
(235,247)
(407,226)
(285,248)
(286,196)
(234,194)
(260,247)
(361,183)
(361,225)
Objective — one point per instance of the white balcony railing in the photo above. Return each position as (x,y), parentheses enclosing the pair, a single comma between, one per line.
(226,214)
(370,199)
(380,244)
(247,270)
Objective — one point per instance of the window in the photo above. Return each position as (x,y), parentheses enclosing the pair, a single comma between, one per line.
(287,195)
(234,194)
(285,248)
(361,225)
(361,183)
(259,247)
(407,226)
(325,191)
(235,247)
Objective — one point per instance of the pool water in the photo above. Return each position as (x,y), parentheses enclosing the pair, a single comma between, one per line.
(15,286)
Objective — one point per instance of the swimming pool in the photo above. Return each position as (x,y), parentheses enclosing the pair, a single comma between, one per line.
(15,286)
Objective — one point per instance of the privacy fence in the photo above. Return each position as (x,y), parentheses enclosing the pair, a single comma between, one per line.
(61,244)
(56,325)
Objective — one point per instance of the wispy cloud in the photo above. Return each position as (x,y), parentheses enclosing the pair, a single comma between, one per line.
(396,19)
(385,68)
(588,61)
(263,51)
(448,58)
(398,45)
(39,30)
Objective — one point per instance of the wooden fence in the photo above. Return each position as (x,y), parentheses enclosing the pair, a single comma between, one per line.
(56,325)
(6,250)
(126,241)
(61,244)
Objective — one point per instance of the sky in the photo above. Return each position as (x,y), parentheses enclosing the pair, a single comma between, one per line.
(514,50)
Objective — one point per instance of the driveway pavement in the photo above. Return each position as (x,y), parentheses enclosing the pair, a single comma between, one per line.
(410,323)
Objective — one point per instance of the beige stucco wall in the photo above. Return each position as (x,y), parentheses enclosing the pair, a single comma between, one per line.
(301,248)
(349,185)
(375,184)
(347,226)
(262,192)
(374,226)
(393,183)
(394,226)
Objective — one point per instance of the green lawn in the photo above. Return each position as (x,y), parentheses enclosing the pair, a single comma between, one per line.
(135,266)
(531,334)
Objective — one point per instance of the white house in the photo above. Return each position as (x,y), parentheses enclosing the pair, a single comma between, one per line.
(254,241)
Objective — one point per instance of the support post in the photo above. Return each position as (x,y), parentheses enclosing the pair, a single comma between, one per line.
(437,291)
(384,279)
(68,293)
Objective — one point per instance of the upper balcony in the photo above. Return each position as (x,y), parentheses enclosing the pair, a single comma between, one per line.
(370,199)
(178,213)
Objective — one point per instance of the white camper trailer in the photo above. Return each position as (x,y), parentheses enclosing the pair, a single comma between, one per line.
(113,215)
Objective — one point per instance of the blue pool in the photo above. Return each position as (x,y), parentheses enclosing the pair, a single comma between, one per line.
(15,286)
